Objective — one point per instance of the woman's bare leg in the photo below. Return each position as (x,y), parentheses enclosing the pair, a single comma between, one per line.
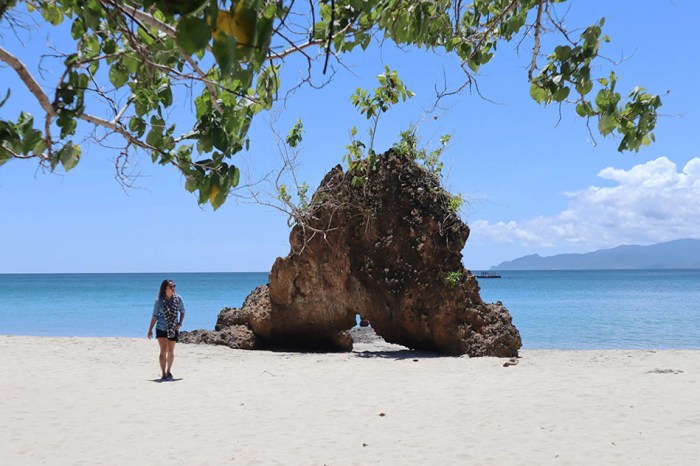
(171,356)
(163,343)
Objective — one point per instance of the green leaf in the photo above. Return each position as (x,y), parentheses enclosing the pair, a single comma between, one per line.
(219,199)
(584,87)
(320,30)
(193,34)
(338,41)
(67,123)
(604,99)
(561,94)
(165,93)
(294,137)
(191,185)
(145,36)
(224,50)
(585,109)
(118,76)
(131,63)
(155,137)
(109,46)
(366,40)
(137,126)
(89,45)
(204,189)
(40,147)
(30,140)
(91,17)
(562,52)
(69,155)
(607,124)
(78,29)
(183,7)
(4,156)
(236,176)
(4,153)
(538,93)
(53,14)
(270,10)
(25,122)
(141,107)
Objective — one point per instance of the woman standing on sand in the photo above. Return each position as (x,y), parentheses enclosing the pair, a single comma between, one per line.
(165,313)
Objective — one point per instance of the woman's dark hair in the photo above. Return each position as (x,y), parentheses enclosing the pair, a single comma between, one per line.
(163,286)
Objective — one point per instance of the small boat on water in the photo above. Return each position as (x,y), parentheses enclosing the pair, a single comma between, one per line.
(488,275)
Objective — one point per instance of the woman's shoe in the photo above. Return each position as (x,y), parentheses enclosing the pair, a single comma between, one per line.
(169,376)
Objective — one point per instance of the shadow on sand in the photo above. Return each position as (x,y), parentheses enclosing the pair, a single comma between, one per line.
(165,381)
(400,355)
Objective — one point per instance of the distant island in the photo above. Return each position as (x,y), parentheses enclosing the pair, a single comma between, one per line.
(678,254)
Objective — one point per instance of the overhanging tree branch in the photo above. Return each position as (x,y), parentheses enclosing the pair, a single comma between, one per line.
(495,23)
(536,47)
(144,53)
(29,81)
(207,83)
(117,129)
(145,18)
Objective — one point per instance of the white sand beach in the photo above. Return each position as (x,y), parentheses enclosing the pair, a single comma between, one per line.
(93,401)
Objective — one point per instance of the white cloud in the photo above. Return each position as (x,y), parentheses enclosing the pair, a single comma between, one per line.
(652,202)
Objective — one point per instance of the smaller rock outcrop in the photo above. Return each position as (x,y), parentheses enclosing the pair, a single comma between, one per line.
(235,327)
(235,336)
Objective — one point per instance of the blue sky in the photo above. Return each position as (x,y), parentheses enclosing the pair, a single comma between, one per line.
(535,183)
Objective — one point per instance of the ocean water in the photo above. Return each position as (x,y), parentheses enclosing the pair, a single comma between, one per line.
(121,304)
(602,309)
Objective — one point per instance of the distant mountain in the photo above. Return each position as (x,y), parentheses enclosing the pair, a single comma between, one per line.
(679,254)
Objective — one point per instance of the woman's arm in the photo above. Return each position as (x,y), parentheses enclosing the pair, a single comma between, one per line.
(150,327)
(154,318)
(182,313)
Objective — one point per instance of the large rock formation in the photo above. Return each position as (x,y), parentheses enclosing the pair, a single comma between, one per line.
(387,248)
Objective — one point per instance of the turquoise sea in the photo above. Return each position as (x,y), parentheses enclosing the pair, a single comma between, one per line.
(600,309)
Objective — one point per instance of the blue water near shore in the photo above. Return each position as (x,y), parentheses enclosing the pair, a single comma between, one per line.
(102,305)
(601,309)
